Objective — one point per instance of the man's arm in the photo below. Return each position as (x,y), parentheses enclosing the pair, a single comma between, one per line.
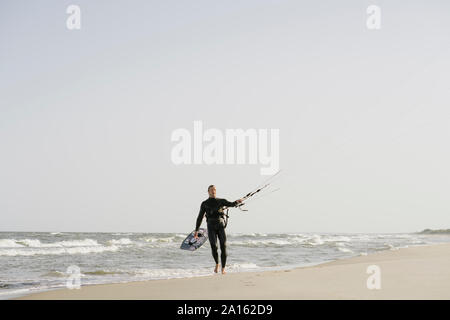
(201,214)
(227,203)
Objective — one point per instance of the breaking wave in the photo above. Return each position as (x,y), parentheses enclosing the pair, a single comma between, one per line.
(122,241)
(291,240)
(31,247)
(56,251)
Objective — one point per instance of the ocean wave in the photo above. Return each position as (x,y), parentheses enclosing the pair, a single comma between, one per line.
(187,273)
(54,274)
(7,294)
(176,238)
(102,273)
(345,250)
(122,241)
(316,240)
(391,247)
(4,285)
(293,240)
(35,243)
(406,236)
(57,251)
(254,234)
(259,243)
(338,239)
(236,267)
(9,243)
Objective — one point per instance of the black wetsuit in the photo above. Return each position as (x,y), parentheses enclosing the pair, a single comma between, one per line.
(216,225)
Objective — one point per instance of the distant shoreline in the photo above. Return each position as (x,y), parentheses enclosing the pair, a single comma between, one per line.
(437,231)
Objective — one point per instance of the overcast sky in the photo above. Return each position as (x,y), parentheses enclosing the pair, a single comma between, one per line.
(87,115)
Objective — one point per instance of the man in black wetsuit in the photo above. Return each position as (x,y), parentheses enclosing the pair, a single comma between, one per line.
(213,209)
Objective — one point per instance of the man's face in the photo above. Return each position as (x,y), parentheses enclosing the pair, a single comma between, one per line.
(212,192)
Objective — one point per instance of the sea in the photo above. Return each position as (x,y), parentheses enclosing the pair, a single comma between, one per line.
(39,261)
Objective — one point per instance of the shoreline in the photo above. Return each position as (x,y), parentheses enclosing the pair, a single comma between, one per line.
(27,293)
(418,272)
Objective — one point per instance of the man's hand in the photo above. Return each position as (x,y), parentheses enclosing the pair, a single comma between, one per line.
(239,201)
(196,235)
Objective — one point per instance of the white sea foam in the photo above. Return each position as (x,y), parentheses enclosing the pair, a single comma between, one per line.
(35,243)
(258,243)
(390,246)
(337,239)
(9,243)
(30,247)
(31,243)
(122,241)
(162,240)
(316,240)
(166,273)
(235,267)
(57,251)
(292,239)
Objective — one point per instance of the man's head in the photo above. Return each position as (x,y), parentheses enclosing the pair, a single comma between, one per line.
(212,191)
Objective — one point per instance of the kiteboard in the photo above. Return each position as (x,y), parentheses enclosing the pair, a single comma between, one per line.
(192,244)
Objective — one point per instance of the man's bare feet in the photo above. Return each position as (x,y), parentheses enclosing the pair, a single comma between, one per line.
(216,268)
(223,271)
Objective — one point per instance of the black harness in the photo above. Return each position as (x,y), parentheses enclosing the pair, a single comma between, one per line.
(225,217)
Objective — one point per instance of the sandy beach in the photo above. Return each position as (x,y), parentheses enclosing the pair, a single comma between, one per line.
(409,273)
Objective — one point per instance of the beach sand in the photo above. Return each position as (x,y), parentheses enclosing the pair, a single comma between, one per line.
(410,273)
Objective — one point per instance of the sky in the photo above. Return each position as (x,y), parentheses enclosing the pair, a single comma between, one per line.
(86,116)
